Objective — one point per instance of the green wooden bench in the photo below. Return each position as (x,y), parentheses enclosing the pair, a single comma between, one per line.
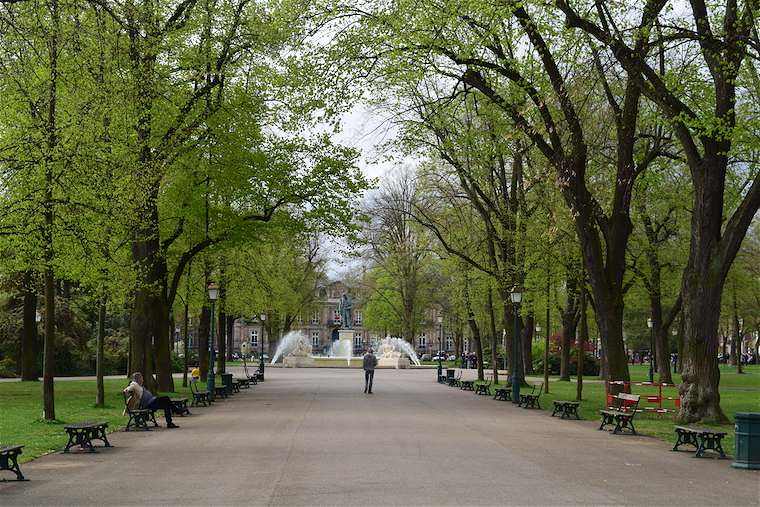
(83,433)
(531,399)
(483,388)
(503,393)
(138,417)
(566,409)
(199,395)
(703,439)
(621,414)
(9,460)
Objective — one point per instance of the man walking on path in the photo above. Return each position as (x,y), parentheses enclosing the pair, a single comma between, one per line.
(370,361)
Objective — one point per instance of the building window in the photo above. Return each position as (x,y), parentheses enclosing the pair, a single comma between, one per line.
(423,341)
(315,338)
(254,337)
(315,317)
(336,315)
(300,319)
(449,343)
(358,318)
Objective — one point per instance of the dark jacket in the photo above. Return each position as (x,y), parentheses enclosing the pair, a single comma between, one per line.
(370,361)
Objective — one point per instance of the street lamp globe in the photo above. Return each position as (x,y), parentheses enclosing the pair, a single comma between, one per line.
(213,291)
(516,295)
(649,323)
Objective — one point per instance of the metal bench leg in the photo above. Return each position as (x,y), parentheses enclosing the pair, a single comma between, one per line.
(10,462)
(103,437)
(71,443)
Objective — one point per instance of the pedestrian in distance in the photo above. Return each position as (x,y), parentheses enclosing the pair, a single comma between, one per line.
(369,364)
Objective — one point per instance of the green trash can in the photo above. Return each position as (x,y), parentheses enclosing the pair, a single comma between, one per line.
(227,382)
(450,373)
(747,453)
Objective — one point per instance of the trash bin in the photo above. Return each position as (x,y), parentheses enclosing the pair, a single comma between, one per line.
(747,453)
(227,382)
(450,373)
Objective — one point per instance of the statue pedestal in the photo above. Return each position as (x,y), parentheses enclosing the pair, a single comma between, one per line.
(297,362)
(393,362)
(346,334)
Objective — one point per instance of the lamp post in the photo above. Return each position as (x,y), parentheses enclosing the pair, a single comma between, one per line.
(516,297)
(650,325)
(262,319)
(213,294)
(538,333)
(440,346)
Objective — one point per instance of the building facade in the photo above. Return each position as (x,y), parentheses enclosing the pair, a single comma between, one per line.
(321,326)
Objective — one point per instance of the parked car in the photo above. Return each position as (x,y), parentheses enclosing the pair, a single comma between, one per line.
(441,357)
(425,357)
(452,357)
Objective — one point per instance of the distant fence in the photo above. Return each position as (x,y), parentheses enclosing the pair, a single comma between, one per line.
(657,397)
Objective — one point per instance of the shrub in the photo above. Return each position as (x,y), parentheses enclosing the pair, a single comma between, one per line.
(590,364)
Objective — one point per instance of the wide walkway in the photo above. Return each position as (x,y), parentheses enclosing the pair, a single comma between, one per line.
(310,436)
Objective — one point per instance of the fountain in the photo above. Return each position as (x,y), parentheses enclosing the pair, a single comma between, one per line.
(342,349)
(392,351)
(295,350)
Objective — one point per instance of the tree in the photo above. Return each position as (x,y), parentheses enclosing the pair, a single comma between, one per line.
(709,128)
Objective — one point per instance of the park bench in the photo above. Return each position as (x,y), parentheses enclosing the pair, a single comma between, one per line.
(221,391)
(243,383)
(566,409)
(199,395)
(483,387)
(467,385)
(253,379)
(9,460)
(503,393)
(621,414)
(179,406)
(530,400)
(235,386)
(138,417)
(82,434)
(454,381)
(702,439)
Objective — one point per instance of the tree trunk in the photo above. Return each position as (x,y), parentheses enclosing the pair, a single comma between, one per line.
(230,335)
(581,349)
(679,359)
(527,342)
(700,373)
(569,316)
(494,343)
(221,357)
(29,338)
(475,330)
(661,344)
(100,398)
(204,330)
(737,345)
(48,358)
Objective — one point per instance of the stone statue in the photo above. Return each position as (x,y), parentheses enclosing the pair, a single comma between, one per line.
(302,348)
(345,307)
(388,351)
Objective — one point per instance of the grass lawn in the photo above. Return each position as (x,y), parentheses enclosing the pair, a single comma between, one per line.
(738,393)
(21,412)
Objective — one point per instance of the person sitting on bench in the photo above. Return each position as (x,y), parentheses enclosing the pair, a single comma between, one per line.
(140,397)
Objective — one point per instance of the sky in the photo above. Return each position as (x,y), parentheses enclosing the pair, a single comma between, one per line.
(366,130)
